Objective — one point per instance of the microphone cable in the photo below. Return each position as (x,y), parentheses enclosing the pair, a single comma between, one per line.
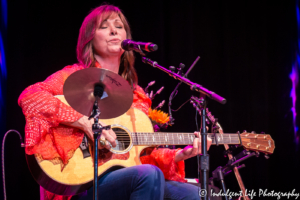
(3,166)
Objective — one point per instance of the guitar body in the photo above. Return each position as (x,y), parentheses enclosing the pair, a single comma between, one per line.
(78,174)
(134,133)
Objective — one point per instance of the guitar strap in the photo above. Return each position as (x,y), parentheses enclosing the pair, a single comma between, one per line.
(84,146)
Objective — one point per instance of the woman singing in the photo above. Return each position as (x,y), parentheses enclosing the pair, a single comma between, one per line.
(55,130)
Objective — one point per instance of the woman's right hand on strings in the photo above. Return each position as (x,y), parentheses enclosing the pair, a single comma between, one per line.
(86,125)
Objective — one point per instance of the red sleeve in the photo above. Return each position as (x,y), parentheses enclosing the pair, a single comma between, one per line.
(43,111)
(140,100)
(164,159)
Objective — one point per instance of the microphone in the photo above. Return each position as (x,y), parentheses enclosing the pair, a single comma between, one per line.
(129,45)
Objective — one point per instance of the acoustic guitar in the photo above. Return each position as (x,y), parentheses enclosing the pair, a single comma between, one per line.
(134,132)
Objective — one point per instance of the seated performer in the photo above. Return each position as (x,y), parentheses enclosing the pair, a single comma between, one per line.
(55,130)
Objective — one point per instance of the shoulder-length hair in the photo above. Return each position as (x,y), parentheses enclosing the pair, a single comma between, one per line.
(85,50)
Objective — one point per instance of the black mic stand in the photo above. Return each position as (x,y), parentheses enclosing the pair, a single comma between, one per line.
(200,105)
(204,158)
(97,129)
(204,166)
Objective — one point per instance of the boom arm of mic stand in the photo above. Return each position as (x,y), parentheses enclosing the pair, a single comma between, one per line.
(194,86)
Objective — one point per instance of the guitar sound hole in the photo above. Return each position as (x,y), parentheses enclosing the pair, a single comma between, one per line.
(123,139)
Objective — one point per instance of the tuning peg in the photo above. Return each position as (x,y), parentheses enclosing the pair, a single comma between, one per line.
(257,154)
(262,133)
(244,131)
(253,132)
(267,156)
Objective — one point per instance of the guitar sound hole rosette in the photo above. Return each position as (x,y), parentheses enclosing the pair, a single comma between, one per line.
(123,140)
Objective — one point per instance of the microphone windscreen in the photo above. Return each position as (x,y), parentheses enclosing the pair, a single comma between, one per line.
(125,44)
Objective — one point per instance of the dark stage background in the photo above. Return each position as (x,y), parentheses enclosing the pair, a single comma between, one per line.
(247,50)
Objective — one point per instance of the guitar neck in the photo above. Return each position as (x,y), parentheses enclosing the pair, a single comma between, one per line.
(163,138)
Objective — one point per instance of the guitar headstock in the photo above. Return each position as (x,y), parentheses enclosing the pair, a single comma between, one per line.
(258,142)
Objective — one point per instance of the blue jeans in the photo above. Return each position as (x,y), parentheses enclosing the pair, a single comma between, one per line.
(142,182)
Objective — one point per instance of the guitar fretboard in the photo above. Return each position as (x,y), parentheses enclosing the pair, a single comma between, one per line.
(161,138)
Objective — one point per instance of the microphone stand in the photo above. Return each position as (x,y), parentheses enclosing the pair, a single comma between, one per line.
(97,129)
(204,159)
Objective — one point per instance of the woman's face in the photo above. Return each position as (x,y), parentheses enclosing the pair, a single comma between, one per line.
(108,37)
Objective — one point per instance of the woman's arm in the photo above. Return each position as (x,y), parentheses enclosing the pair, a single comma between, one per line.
(38,101)
(43,111)
(191,151)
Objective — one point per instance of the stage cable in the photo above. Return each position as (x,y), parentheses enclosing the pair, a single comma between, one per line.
(181,106)
(3,166)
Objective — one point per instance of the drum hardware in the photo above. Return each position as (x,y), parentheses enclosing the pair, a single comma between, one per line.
(90,89)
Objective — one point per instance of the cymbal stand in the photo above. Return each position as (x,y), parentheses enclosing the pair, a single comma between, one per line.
(97,129)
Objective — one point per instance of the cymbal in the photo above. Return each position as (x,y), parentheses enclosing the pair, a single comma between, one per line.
(79,92)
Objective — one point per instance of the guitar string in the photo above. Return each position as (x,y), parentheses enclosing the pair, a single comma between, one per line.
(258,148)
(177,142)
(225,134)
(140,135)
(158,140)
(183,139)
(187,135)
